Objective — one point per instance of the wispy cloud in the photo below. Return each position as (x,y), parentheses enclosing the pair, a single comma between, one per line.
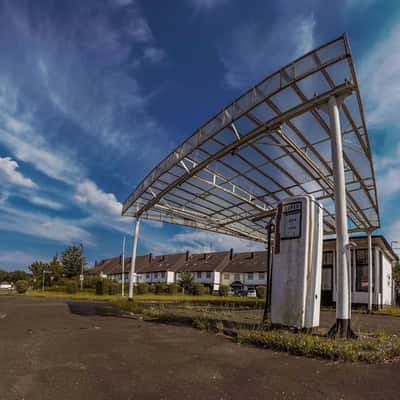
(88,194)
(9,174)
(207,5)
(45,202)
(380,80)
(43,226)
(154,55)
(253,50)
(10,260)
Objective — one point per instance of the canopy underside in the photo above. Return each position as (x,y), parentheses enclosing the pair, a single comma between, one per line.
(271,143)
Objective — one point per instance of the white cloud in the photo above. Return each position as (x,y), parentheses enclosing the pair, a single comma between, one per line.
(154,55)
(207,5)
(88,194)
(43,226)
(18,259)
(9,174)
(380,80)
(28,145)
(250,49)
(44,202)
(139,30)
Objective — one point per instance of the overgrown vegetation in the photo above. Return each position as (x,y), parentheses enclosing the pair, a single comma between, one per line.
(21,286)
(372,349)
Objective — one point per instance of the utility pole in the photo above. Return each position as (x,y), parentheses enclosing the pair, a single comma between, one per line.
(123,268)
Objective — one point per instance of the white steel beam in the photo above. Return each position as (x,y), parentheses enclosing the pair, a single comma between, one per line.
(370,278)
(132,273)
(343,310)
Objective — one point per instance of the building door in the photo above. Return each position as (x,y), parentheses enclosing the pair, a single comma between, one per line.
(327,279)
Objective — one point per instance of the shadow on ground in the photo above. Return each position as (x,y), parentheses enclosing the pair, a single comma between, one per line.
(89,309)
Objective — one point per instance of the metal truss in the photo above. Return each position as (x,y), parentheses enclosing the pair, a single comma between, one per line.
(270,143)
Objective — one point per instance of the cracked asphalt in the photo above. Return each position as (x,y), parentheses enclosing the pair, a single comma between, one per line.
(60,349)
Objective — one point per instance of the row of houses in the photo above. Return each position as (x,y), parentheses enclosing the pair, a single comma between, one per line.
(248,269)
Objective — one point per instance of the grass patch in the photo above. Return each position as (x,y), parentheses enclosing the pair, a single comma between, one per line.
(372,349)
(230,301)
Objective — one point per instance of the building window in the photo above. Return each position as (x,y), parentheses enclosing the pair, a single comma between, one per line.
(155,274)
(261,276)
(208,275)
(199,274)
(250,276)
(226,275)
(362,270)
(163,274)
(237,277)
(147,275)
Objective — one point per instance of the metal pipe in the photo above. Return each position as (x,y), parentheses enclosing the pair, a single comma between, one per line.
(132,274)
(123,269)
(342,237)
(369,271)
(267,305)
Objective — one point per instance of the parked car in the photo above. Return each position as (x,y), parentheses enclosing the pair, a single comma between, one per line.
(251,292)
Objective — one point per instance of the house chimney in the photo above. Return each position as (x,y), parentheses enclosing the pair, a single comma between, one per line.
(150,257)
(205,256)
(231,254)
(252,254)
(187,255)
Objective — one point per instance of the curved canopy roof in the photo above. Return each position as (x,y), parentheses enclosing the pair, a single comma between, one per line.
(270,143)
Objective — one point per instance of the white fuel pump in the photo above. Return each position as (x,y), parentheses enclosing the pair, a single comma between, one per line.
(296,278)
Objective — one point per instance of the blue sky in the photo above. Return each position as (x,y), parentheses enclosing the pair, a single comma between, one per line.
(94,93)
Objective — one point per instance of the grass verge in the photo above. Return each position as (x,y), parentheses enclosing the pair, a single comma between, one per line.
(372,349)
(162,298)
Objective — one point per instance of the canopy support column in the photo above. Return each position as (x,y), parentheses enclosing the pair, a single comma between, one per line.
(342,327)
(132,274)
(370,278)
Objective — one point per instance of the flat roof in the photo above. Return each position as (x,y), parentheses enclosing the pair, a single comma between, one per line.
(271,143)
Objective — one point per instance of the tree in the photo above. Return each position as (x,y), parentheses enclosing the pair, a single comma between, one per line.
(14,276)
(56,270)
(4,276)
(37,269)
(72,260)
(186,281)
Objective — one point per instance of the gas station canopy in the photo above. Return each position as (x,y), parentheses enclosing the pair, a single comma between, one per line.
(271,143)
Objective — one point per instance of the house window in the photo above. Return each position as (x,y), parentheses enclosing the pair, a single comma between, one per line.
(362,270)
(237,277)
(155,274)
(199,274)
(261,276)
(250,276)
(208,275)
(163,274)
(147,275)
(226,275)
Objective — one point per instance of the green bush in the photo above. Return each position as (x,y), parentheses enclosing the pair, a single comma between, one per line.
(114,288)
(161,288)
(152,288)
(101,287)
(21,286)
(173,288)
(142,288)
(198,289)
(223,290)
(261,291)
(71,287)
(90,281)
